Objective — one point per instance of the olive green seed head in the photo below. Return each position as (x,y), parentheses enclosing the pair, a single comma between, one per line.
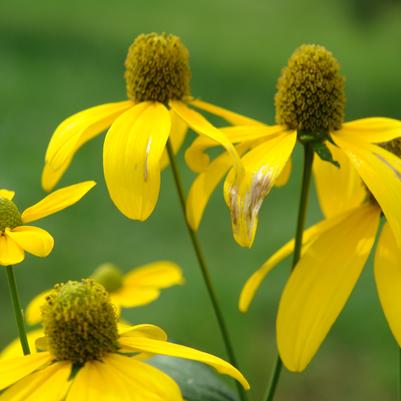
(157,69)
(310,92)
(79,322)
(10,216)
(393,146)
(109,276)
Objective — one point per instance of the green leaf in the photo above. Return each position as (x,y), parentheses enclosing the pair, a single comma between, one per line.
(197,381)
(324,153)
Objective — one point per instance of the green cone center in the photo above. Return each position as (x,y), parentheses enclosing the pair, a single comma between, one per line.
(157,69)
(10,216)
(109,276)
(79,322)
(310,92)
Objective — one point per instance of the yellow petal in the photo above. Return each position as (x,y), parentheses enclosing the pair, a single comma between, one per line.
(338,189)
(10,252)
(372,129)
(309,236)
(229,116)
(244,195)
(72,133)
(56,201)
(320,285)
(142,330)
(202,127)
(5,193)
(381,172)
(197,158)
(177,135)
(14,349)
(283,178)
(12,370)
(33,312)
(31,239)
(50,384)
(119,378)
(388,279)
(142,344)
(131,158)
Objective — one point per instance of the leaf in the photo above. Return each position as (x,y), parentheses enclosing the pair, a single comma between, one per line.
(324,153)
(197,381)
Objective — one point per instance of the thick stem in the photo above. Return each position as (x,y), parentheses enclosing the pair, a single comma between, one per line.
(303,203)
(19,316)
(203,266)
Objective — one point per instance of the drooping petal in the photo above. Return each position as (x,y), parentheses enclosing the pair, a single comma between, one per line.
(72,133)
(120,378)
(388,279)
(5,193)
(338,189)
(201,126)
(229,116)
(197,158)
(381,172)
(10,252)
(12,370)
(309,236)
(143,330)
(14,349)
(131,158)
(283,178)
(50,384)
(31,239)
(372,129)
(143,344)
(320,285)
(56,201)
(177,135)
(244,196)
(33,312)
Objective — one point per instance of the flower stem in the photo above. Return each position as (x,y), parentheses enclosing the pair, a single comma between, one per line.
(303,203)
(204,269)
(19,316)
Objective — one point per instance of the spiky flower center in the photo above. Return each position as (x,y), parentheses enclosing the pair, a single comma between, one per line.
(109,276)
(10,216)
(79,322)
(310,92)
(157,69)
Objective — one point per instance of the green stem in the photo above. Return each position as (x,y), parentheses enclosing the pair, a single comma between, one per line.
(203,266)
(19,316)
(399,373)
(303,203)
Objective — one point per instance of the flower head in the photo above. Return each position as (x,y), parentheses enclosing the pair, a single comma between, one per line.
(84,355)
(16,237)
(157,78)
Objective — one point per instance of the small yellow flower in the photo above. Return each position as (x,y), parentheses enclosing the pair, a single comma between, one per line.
(138,287)
(309,103)
(16,237)
(334,253)
(86,357)
(157,79)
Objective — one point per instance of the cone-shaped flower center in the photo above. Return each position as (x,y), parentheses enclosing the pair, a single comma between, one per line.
(79,322)
(109,276)
(393,146)
(157,69)
(9,214)
(310,92)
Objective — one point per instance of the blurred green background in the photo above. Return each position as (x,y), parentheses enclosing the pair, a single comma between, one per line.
(57,58)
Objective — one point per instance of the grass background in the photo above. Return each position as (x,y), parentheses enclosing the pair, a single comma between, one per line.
(57,58)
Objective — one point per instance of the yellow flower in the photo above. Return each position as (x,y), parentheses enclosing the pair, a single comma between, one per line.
(16,237)
(138,287)
(334,253)
(157,79)
(310,106)
(84,361)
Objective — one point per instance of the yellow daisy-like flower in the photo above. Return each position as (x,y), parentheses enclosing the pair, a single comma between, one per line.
(334,253)
(16,237)
(82,361)
(138,287)
(157,79)
(309,106)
